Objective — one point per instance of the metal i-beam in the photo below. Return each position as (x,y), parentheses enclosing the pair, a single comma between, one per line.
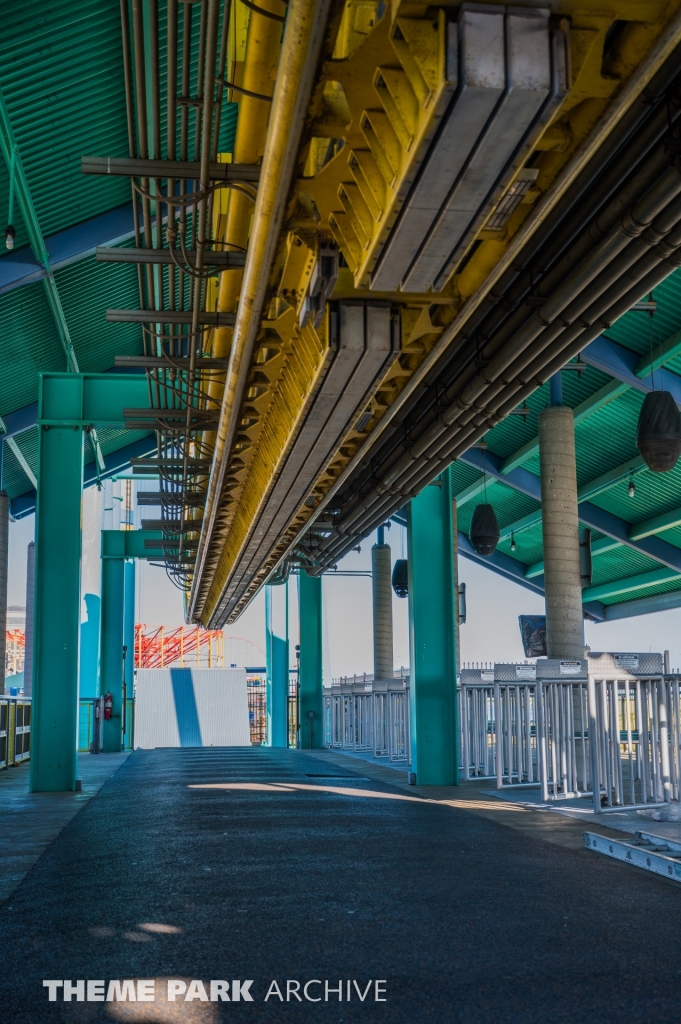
(625,586)
(434,732)
(223,260)
(658,524)
(589,515)
(623,364)
(668,350)
(184,169)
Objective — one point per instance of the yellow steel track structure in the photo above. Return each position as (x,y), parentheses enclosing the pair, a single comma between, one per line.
(358,90)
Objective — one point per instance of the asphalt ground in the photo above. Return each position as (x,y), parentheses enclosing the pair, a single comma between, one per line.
(261,865)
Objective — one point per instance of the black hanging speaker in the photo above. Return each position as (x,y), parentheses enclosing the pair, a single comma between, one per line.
(400,577)
(484,531)
(658,435)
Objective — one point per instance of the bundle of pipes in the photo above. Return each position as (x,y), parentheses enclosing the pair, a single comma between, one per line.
(627,250)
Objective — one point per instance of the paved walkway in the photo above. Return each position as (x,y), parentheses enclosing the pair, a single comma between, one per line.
(275,866)
(30,821)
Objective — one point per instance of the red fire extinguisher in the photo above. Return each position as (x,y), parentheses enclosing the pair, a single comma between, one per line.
(108,706)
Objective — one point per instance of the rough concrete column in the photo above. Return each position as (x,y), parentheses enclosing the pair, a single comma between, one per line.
(562,584)
(30,603)
(382,594)
(4,533)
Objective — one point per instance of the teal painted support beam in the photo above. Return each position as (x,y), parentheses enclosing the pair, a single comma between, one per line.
(668,350)
(57,610)
(432,635)
(129,625)
(130,544)
(608,393)
(667,521)
(311,709)
(599,547)
(531,519)
(277,655)
(473,490)
(90,399)
(111,649)
(600,484)
(625,586)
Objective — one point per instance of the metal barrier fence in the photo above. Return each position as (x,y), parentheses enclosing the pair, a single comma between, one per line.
(370,716)
(617,720)
(15,730)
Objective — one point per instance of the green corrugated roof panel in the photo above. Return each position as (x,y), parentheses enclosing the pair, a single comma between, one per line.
(30,340)
(620,563)
(462,476)
(638,330)
(61,73)
(87,289)
(14,478)
(30,346)
(632,595)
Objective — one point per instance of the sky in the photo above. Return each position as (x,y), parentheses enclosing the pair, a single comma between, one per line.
(490,633)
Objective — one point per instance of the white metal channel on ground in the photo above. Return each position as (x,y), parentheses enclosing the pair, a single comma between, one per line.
(189,707)
(643,850)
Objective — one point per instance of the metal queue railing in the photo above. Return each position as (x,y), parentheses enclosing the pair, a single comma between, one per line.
(532,726)
(15,730)
(370,716)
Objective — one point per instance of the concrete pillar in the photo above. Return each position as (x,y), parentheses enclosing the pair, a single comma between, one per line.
(382,595)
(276,652)
(432,634)
(30,614)
(111,649)
(4,538)
(560,525)
(311,706)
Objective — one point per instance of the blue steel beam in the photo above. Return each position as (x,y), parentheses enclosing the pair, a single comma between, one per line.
(622,364)
(20,267)
(589,515)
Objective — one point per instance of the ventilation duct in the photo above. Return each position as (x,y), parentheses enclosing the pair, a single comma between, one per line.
(400,579)
(658,435)
(511,78)
(484,531)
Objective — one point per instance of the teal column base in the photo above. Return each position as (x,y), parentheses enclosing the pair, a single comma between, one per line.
(311,709)
(432,636)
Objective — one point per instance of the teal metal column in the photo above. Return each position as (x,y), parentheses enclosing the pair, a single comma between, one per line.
(311,698)
(276,651)
(432,635)
(111,650)
(57,609)
(129,639)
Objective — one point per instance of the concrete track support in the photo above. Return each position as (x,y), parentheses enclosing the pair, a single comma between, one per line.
(311,708)
(433,635)
(560,525)
(276,650)
(382,597)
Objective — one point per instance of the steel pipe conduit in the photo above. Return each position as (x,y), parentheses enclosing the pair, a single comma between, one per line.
(300,53)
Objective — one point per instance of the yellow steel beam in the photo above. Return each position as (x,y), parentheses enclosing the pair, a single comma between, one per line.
(376,101)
